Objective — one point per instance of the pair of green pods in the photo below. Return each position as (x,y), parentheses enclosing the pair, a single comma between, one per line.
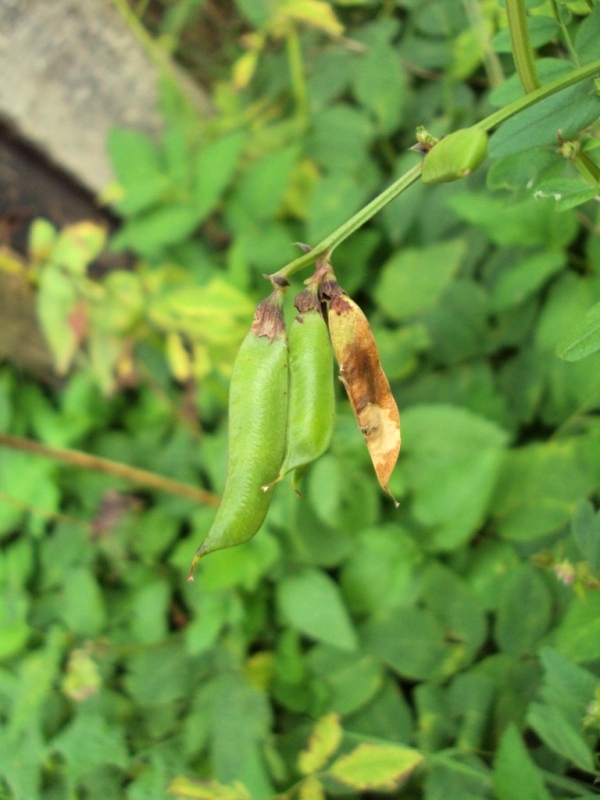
(281,414)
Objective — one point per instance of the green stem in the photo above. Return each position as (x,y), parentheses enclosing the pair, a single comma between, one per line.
(354,223)
(539,94)
(492,64)
(565,32)
(297,74)
(364,215)
(521,46)
(588,168)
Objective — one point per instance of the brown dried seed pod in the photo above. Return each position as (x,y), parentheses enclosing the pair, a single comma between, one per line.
(364,380)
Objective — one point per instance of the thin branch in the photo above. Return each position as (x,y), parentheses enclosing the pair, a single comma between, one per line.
(141,477)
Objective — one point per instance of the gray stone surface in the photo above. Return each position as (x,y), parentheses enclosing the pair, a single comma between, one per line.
(69,71)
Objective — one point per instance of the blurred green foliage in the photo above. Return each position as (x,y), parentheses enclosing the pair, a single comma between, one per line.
(449,649)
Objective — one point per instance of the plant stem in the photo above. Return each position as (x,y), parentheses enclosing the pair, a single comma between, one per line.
(337,237)
(355,222)
(492,64)
(588,169)
(521,46)
(539,94)
(294,52)
(565,32)
(142,477)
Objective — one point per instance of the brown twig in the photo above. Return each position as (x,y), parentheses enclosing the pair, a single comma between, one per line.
(142,477)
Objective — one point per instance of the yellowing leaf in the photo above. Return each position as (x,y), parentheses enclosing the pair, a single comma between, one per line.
(78,245)
(56,301)
(185,788)
(376,767)
(311,789)
(178,357)
(314,13)
(322,744)
(42,236)
(244,69)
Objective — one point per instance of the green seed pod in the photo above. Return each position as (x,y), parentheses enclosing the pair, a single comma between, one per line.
(312,398)
(258,402)
(455,156)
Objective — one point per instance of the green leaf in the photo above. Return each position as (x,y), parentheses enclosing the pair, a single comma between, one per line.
(376,767)
(515,775)
(522,171)
(583,339)
(451,461)
(89,742)
(257,12)
(241,718)
(30,481)
(453,602)
(310,602)
(459,325)
(322,744)
(262,185)
(21,763)
(410,640)
(554,729)
(149,233)
(380,572)
(568,111)
(471,699)
(138,168)
(386,716)
(213,171)
(586,42)
(82,603)
(524,613)
(519,282)
(340,123)
(566,686)
(348,680)
(538,488)
(413,280)
(379,83)
(585,528)
(567,192)
(528,223)
(158,675)
(578,636)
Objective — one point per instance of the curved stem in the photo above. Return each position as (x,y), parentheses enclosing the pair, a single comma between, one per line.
(141,477)
(565,32)
(492,64)
(353,224)
(299,89)
(365,214)
(521,45)
(539,94)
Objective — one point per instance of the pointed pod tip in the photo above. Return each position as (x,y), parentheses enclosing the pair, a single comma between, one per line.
(195,561)
(395,502)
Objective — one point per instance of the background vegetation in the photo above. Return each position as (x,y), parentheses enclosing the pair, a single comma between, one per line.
(447,650)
